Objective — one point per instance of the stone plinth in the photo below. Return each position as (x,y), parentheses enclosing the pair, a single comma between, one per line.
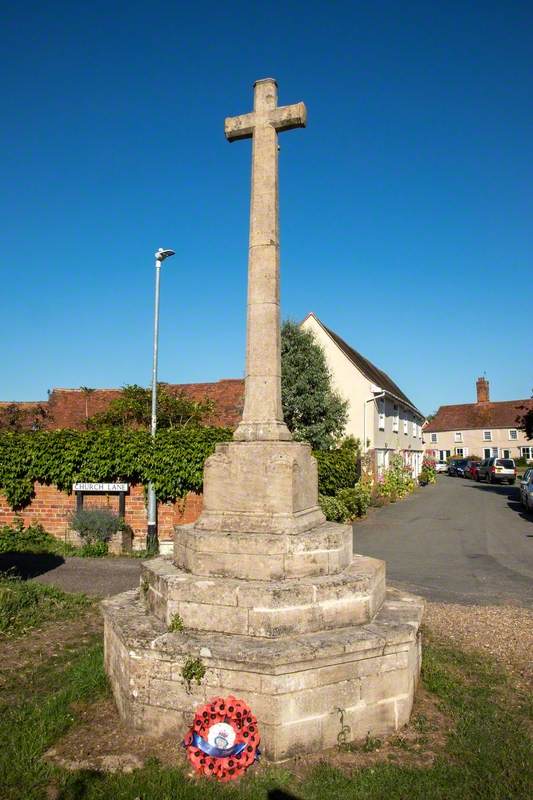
(269,487)
(265,609)
(294,684)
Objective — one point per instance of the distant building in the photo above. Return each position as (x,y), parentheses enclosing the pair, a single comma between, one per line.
(380,415)
(70,408)
(482,428)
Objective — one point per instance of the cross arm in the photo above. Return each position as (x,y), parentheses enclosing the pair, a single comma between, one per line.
(286,117)
(239,127)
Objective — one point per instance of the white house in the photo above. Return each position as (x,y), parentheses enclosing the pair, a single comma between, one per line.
(380,415)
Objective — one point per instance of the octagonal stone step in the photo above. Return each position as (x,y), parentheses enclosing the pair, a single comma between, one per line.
(265,609)
(253,555)
(295,685)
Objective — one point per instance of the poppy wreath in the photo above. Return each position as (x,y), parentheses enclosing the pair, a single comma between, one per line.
(223,740)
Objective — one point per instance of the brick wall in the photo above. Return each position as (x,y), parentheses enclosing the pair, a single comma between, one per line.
(52,509)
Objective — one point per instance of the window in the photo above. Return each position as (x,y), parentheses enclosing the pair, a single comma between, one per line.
(527,452)
(396,420)
(406,429)
(513,435)
(433,438)
(494,452)
(487,436)
(460,451)
(381,408)
(458,436)
(486,452)
(413,426)
(506,453)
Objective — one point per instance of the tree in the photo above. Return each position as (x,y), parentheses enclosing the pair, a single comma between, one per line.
(313,412)
(525,421)
(133,409)
(16,419)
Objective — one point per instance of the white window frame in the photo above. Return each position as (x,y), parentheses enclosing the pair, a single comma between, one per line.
(434,438)
(495,452)
(458,436)
(463,453)
(413,428)
(406,426)
(396,419)
(381,413)
(526,452)
(487,436)
(511,432)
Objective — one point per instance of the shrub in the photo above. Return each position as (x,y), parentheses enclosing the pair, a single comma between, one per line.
(357,499)
(337,469)
(333,508)
(96,524)
(33,539)
(93,549)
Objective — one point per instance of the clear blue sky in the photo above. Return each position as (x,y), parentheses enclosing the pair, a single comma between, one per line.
(406,204)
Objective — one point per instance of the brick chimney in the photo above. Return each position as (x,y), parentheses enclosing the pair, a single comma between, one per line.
(482,387)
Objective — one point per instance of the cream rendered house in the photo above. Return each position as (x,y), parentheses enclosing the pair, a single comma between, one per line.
(380,415)
(481,429)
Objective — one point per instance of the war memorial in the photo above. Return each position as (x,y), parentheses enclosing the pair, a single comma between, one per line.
(274,606)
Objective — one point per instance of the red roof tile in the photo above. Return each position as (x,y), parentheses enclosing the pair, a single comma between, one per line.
(69,408)
(478,416)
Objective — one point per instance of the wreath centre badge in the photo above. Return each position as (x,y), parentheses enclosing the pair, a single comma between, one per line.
(223,740)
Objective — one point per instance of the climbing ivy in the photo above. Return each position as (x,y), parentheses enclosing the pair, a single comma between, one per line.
(174,463)
(60,458)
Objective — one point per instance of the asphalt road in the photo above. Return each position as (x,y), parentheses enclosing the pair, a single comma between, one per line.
(456,542)
(94,576)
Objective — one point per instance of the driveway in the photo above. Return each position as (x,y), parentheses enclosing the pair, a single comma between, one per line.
(458,541)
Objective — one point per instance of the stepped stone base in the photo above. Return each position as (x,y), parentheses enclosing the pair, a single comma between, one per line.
(294,684)
(265,608)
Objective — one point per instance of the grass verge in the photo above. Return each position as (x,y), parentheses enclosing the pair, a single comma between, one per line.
(487,755)
(25,605)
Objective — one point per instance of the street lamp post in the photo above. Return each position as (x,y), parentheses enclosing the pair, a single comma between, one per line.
(152,542)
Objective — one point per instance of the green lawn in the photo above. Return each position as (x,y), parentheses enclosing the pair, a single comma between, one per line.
(25,605)
(487,755)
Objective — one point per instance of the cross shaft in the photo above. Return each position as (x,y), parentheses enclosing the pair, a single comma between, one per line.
(263,415)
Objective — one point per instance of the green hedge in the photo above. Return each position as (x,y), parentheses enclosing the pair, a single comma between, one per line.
(175,463)
(60,458)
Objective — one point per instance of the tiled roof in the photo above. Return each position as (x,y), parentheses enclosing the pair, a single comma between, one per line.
(69,408)
(474,416)
(373,373)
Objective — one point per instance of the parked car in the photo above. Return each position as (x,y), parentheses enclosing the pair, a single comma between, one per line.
(497,470)
(456,467)
(441,466)
(471,469)
(526,489)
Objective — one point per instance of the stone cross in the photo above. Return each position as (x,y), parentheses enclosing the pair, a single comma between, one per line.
(263,416)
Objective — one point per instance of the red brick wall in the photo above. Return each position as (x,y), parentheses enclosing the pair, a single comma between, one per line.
(52,509)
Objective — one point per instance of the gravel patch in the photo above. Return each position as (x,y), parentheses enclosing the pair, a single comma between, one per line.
(503,632)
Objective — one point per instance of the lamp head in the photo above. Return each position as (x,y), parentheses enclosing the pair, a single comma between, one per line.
(162,254)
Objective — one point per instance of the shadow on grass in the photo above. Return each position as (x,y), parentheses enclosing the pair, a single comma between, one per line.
(29,565)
